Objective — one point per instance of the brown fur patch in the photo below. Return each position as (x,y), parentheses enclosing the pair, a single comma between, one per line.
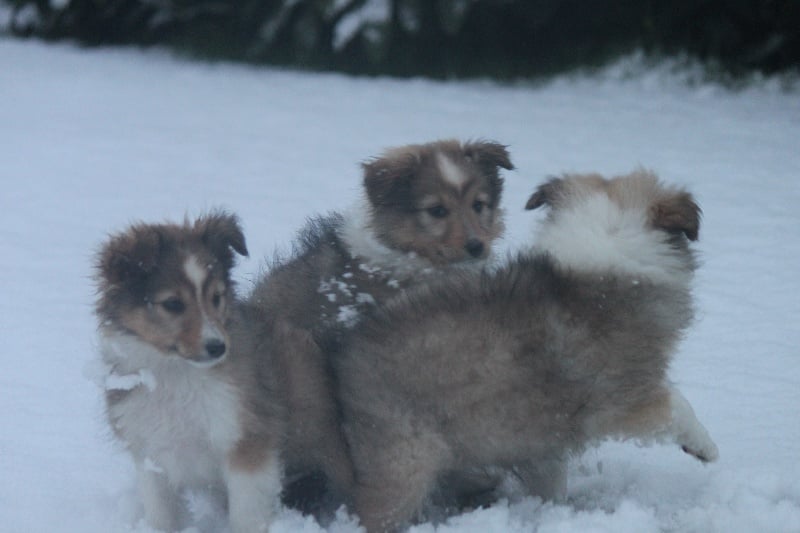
(252,452)
(558,191)
(677,213)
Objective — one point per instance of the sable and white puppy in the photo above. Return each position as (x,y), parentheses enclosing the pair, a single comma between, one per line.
(188,393)
(428,207)
(567,344)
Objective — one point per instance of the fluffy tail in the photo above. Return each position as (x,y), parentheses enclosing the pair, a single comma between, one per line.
(630,225)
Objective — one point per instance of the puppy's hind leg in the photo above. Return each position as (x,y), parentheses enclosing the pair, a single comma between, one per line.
(666,416)
(315,429)
(687,431)
(337,465)
(544,477)
(393,482)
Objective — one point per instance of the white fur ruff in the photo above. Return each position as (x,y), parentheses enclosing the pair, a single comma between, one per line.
(359,238)
(179,418)
(357,234)
(597,235)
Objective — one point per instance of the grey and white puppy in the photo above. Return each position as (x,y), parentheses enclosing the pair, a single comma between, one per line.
(427,207)
(567,344)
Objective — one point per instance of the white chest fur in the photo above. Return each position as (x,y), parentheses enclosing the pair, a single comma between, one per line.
(175,418)
(359,237)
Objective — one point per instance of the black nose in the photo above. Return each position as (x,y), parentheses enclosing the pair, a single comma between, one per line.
(474,247)
(215,348)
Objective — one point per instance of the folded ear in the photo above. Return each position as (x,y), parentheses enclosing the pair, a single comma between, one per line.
(546,193)
(130,256)
(677,213)
(387,180)
(488,154)
(221,232)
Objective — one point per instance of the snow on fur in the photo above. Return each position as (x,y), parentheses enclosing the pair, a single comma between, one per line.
(91,143)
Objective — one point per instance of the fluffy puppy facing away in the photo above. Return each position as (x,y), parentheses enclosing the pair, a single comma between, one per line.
(428,206)
(187,392)
(567,344)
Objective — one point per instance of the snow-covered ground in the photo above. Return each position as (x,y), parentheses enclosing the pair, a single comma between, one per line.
(92,140)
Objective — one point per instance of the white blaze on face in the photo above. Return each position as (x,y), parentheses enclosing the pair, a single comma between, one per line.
(197,275)
(450,171)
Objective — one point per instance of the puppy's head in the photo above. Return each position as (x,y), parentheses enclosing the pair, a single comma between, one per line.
(439,200)
(665,208)
(169,285)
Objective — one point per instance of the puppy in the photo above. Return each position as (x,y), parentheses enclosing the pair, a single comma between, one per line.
(187,391)
(428,207)
(567,344)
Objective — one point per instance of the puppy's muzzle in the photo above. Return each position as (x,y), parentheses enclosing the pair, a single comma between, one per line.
(215,348)
(474,247)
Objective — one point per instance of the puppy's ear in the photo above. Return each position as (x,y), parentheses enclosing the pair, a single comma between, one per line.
(387,179)
(130,257)
(546,193)
(488,154)
(677,213)
(222,233)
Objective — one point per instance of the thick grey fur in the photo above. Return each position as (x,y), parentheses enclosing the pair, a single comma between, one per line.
(518,368)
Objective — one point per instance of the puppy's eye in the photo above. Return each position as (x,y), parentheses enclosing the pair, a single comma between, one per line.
(174,305)
(216,299)
(438,211)
(478,206)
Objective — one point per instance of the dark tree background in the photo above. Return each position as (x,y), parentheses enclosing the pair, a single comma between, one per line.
(436,38)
